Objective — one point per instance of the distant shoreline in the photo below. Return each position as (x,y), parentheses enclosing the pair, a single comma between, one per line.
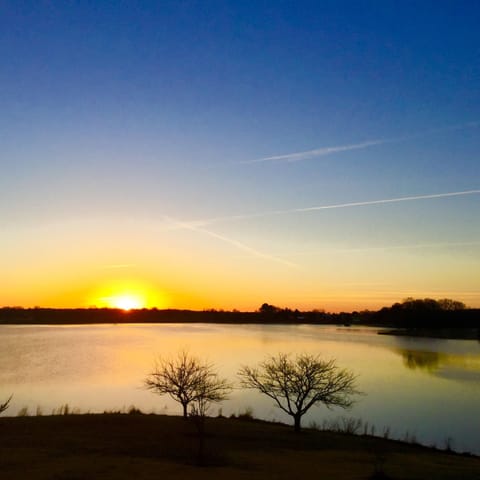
(421,318)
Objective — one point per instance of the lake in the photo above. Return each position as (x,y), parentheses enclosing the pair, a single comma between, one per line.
(427,389)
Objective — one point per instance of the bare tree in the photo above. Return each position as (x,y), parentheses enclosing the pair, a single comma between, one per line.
(188,381)
(299,384)
(4,406)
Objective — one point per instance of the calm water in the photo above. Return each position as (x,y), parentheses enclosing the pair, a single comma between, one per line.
(422,387)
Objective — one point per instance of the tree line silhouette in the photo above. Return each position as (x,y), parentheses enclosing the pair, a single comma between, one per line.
(411,313)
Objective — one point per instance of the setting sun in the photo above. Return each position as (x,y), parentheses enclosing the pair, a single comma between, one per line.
(126,302)
(127,295)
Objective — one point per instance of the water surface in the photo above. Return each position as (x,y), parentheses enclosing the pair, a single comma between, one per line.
(423,388)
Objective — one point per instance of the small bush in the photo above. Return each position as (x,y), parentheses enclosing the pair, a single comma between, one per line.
(66,410)
(348,425)
(247,414)
(23,412)
(133,410)
(351,425)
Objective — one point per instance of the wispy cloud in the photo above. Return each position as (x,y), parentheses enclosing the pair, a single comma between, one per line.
(323,151)
(194,226)
(333,206)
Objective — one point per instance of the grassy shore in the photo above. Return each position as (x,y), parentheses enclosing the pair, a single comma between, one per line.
(120,446)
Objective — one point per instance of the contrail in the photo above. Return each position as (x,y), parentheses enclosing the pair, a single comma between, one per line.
(193,226)
(320,152)
(379,202)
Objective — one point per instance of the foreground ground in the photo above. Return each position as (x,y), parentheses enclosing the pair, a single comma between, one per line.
(114,446)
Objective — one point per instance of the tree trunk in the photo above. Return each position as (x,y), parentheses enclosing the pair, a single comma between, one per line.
(297,419)
(185,410)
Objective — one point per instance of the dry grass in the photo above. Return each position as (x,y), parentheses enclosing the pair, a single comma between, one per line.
(116,446)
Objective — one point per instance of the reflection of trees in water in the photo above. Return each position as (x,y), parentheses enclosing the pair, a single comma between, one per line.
(446,365)
(414,359)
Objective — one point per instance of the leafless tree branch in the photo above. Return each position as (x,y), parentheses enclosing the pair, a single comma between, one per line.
(299,384)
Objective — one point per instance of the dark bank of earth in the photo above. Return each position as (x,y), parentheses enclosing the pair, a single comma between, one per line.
(115,446)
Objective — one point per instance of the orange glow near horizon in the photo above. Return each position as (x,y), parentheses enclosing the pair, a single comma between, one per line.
(127,295)
(130,288)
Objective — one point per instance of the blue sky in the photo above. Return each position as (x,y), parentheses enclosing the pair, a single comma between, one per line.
(125,125)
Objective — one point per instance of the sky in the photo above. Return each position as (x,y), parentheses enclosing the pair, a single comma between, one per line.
(223,154)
